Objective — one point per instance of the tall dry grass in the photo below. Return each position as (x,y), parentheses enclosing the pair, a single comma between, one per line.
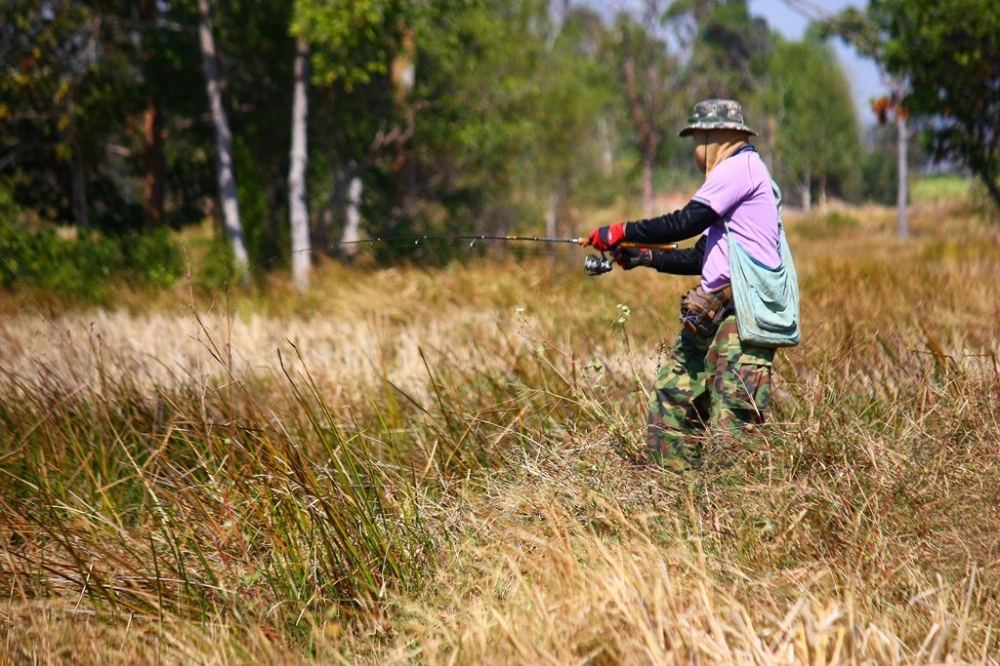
(434,466)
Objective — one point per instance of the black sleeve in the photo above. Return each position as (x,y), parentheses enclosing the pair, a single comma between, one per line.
(687,222)
(681,262)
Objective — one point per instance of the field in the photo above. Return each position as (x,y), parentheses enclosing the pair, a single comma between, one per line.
(436,466)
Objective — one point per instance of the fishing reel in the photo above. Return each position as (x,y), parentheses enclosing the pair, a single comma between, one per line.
(594,265)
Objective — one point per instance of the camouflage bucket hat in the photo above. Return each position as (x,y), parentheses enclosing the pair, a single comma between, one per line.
(717,114)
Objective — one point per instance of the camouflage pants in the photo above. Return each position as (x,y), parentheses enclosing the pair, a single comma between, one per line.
(716,384)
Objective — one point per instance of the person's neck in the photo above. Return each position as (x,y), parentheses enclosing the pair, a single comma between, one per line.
(724,151)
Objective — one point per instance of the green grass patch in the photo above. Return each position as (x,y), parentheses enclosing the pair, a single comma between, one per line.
(943,188)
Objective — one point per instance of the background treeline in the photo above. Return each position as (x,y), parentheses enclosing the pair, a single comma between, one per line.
(378,117)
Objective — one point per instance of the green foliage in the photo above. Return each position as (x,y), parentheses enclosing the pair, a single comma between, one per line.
(68,86)
(516,110)
(84,267)
(216,270)
(879,175)
(731,47)
(351,40)
(948,54)
(817,132)
(155,259)
(943,54)
(9,210)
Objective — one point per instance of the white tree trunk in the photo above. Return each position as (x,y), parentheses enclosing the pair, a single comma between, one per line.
(806,194)
(902,196)
(224,143)
(298,208)
(352,224)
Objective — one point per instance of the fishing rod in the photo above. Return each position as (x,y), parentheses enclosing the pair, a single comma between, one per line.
(593,265)
(416,240)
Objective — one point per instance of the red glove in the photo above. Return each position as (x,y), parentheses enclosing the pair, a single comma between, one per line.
(606,238)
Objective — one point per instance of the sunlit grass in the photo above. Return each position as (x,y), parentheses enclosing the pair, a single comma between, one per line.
(433,466)
(940,189)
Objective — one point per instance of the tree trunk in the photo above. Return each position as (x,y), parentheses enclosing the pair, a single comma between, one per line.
(648,134)
(224,144)
(822,194)
(352,223)
(297,203)
(806,193)
(902,196)
(78,175)
(153,157)
(155,165)
(989,181)
(80,209)
(403,76)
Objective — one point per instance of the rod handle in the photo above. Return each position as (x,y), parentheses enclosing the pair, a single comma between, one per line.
(648,246)
(585,242)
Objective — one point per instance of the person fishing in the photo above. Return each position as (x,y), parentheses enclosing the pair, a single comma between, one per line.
(713,379)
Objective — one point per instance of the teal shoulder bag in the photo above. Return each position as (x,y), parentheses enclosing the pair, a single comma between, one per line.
(766,299)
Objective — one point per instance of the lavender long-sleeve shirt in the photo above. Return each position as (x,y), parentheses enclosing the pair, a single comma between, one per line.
(739,190)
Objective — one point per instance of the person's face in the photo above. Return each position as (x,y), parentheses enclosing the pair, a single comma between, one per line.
(700,149)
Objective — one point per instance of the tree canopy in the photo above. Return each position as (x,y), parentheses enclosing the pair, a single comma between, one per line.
(944,56)
(450,115)
(948,52)
(817,133)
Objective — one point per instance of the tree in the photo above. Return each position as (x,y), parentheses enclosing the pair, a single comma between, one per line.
(54,75)
(298,208)
(817,140)
(944,56)
(352,44)
(572,122)
(224,143)
(725,47)
(948,52)
(649,76)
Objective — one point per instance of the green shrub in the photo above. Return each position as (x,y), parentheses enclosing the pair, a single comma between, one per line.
(216,269)
(43,259)
(83,267)
(155,259)
(8,209)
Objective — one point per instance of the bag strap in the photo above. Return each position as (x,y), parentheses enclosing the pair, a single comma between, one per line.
(777,200)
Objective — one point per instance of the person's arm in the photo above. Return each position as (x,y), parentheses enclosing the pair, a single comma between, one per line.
(677,262)
(687,222)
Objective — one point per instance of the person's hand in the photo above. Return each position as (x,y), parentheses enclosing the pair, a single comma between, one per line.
(628,258)
(605,238)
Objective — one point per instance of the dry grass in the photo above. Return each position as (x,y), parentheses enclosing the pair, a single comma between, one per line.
(432,466)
